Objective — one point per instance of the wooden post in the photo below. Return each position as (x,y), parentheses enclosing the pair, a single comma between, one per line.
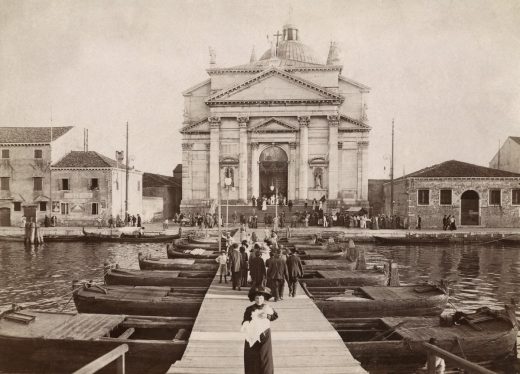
(120,364)
(431,363)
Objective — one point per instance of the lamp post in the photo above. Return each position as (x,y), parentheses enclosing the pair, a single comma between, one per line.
(275,189)
(227,183)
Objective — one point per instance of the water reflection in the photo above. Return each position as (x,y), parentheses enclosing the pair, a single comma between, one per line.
(41,277)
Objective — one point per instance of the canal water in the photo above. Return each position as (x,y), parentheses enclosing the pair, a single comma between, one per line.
(41,277)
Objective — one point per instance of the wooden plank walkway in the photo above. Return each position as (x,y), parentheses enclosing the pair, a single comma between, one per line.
(304,342)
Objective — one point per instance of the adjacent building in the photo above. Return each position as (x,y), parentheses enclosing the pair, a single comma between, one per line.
(286,122)
(508,156)
(89,188)
(25,173)
(474,195)
(161,196)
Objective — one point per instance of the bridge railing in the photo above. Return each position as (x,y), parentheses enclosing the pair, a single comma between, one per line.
(117,354)
(470,367)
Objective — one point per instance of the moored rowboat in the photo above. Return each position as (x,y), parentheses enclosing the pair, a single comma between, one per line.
(417,300)
(174,252)
(35,341)
(131,277)
(484,335)
(154,263)
(149,301)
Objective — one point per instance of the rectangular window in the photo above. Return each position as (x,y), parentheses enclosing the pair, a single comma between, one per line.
(423,197)
(515,198)
(94,184)
(64,184)
(95,208)
(64,208)
(5,153)
(4,183)
(38,183)
(446,197)
(38,153)
(494,197)
(43,206)
(17,206)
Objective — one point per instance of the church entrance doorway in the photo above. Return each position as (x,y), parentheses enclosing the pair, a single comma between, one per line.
(469,208)
(273,164)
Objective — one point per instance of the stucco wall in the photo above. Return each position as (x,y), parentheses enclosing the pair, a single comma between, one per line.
(509,157)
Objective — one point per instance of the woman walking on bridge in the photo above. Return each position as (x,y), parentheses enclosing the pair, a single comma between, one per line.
(258,352)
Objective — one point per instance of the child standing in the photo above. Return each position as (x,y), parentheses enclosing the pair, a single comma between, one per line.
(222,260)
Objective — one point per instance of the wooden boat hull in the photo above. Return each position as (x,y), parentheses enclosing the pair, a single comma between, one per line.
(383,302)
(137,301)
(174,252)
(325,278)
(147,263)
(393,340)
(62,349)
(340,264)
(409,240)
(130,277)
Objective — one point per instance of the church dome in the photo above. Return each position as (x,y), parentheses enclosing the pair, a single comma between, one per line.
(290,48)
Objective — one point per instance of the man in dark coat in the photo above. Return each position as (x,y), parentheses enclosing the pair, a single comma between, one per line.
(257,268)
(277,274)
(235,265)
(295,269)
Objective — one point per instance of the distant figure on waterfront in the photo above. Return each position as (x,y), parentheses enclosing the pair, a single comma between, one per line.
(46,221)
(253,200)
(258,351)
(452,223)
(165,224)
(445,221)
(295,269)
(139,223)
(222,261)
(24,221)
(419,222)
(54,221)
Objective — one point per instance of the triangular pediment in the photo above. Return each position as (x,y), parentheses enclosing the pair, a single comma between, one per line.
(275,86)
(348,124)
(201,126)
(274,125)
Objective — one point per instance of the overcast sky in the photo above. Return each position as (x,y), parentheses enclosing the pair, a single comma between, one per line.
(447,71)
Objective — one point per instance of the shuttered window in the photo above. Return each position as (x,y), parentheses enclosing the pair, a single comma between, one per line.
(38,153)
(423,197)
(494,197)
(38,183)
(4,183)
(515,198)
(446,197)
(5,153)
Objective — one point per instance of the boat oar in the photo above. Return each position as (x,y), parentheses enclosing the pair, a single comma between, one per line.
(385,334)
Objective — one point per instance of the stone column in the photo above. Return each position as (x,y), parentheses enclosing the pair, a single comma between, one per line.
(242,168)
(304,156)
(291,187)
(333,156)
(214,156)
(186,171)
(362,186)
(255,180)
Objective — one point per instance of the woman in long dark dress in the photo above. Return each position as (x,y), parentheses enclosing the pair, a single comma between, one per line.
(258,352)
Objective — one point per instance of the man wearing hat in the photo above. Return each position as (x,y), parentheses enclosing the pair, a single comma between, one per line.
(295,269)
(257,268)
(277,274)
(258,352)
(235,265)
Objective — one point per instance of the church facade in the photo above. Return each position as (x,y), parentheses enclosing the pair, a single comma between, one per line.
(285,122)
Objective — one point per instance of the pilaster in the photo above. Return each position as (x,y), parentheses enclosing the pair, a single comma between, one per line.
(255,179)
(242,169)
(333,121)
(187,173)
(214,156)
(304,122)
(291,186)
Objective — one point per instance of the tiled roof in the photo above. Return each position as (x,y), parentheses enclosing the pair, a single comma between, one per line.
(515,139)
(89,159)
(157,180)
(458,169)
(31,134)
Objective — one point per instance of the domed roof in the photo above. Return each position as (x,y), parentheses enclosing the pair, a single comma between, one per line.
(290,48)
(293,50)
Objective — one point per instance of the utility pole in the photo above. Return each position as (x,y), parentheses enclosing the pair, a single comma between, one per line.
(126,170)
(218,218)
(392,174)
(498,167)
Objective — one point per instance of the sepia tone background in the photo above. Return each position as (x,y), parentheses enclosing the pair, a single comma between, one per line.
(447,71)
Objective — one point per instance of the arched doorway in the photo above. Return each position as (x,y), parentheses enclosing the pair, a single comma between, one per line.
(273,164)
(469,208)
